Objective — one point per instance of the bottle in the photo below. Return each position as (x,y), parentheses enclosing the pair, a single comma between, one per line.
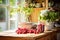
(40,28)
(43,28)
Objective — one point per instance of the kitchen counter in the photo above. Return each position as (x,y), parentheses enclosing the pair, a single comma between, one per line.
(8,35)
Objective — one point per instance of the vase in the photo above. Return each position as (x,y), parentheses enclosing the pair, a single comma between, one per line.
(49,26)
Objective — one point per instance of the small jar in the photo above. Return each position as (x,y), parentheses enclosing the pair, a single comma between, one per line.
(38,5)
(43,4)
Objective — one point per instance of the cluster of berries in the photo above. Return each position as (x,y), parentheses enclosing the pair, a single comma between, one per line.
(39,29)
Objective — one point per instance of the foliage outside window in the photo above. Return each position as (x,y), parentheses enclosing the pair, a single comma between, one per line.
(12,11)
(2,14)
(13,8)
(3,1)
(0,1)
(12,2)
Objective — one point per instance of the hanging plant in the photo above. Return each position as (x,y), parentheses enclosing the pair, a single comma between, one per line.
(27,12)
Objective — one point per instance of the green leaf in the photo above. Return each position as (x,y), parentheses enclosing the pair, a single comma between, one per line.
(51,16)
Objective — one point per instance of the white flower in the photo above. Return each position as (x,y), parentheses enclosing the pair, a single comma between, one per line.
(43,13)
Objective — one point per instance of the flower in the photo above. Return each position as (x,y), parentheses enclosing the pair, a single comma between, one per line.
(43,13)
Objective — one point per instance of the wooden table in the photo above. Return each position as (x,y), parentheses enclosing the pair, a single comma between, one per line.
(13,36)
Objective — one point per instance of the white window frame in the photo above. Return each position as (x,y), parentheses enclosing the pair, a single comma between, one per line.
(8,13)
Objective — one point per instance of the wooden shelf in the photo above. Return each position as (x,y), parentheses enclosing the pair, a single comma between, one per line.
(35,14)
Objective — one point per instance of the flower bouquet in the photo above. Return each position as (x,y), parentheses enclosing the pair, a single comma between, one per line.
(50,17)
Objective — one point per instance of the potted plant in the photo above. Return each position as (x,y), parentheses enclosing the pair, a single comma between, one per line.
(27,11)
(50,17)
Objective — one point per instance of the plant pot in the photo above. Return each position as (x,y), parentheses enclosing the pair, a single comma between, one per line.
(49,26)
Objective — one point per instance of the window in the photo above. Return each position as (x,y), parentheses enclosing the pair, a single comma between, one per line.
(15,14)
(13,18)
(9,14)
(3,14)
(3,2)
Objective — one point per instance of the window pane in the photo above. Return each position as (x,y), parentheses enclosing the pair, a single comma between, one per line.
(0,1)
(2,14)
(13,16)
(12,2)
(3,18)
(3,1)
(12,24)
